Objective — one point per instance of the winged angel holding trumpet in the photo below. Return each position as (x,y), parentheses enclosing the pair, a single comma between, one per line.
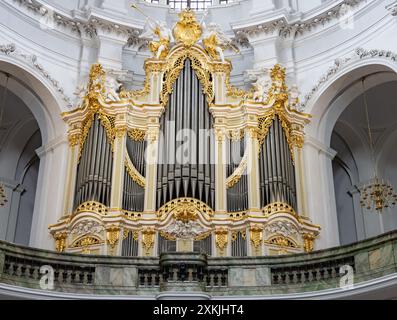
(188,31)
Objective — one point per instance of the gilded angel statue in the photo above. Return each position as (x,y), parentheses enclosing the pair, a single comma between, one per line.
(215,40)
(158,30)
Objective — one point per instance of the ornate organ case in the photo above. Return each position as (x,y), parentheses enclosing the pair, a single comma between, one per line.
(188,163)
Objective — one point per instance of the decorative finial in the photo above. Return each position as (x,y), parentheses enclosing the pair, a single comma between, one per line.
(187,30)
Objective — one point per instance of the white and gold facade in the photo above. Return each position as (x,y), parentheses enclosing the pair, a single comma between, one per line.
(122,198)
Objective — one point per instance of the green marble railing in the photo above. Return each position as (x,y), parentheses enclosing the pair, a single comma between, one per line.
(71,273)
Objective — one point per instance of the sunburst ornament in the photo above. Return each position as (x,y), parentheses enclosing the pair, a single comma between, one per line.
(378,194)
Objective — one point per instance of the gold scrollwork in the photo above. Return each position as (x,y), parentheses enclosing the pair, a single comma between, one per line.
(236,175)
(133,172)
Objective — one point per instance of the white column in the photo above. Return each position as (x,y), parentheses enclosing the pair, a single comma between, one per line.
(253,169)
(320,191)
(50,192)
(151,169)
(116,196)
(220,169)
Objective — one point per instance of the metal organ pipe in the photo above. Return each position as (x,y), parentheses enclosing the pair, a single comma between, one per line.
(133,193)
(94,173)
(186,166)
(237,196)
(276,168)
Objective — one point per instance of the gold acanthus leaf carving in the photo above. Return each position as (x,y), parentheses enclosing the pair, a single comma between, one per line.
(221,236)
(112,236)
(148,236)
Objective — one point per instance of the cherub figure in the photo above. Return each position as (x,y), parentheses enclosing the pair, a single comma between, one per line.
(215,40)
(159,30)
(262,87)
(112,89)
(294,96)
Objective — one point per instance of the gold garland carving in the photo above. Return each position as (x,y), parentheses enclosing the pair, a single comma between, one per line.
(148,240)
(278,207)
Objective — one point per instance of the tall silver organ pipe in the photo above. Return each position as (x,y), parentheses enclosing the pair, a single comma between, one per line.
(186,149)
(276,168)
(94,172)
(239,244)
(133,193)
(130,245)
(237,196)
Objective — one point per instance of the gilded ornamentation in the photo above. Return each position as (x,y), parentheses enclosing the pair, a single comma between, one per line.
(120,131)
(112,236)
(221,235)
(236,134)
(236,175)
(85,243)
(185,212)
(278,207)
(187,30)
(74,139)
(148,235)
(308,242)
(136,134)
(220,134)
(282,241)
(173,205)
(175,66)
(92,206)
(256,232)
(60,241)
(134,173)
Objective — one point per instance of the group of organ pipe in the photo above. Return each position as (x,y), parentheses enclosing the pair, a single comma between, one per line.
(237,195)
(94,171)
(186,150)
(133,193)
(276,168)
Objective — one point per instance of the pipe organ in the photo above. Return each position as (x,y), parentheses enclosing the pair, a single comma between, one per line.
(187,163)
(186,149)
